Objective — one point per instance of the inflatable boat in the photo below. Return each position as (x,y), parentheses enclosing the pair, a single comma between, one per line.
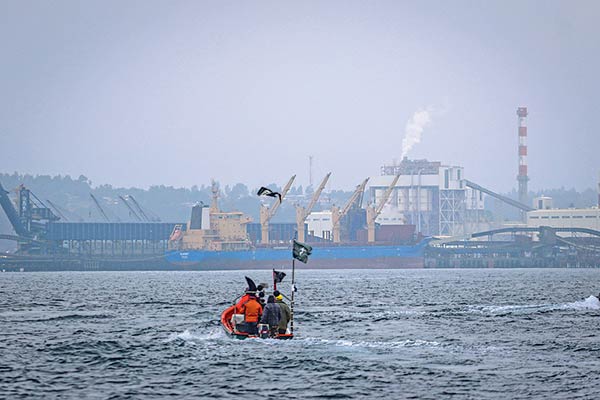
(229,320)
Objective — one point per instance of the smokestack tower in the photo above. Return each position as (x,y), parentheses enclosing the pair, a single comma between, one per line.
(522,178)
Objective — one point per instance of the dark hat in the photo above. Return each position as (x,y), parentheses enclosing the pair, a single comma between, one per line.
(276,293)
(271,299)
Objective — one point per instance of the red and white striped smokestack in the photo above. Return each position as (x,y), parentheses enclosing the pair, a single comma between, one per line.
(522,177)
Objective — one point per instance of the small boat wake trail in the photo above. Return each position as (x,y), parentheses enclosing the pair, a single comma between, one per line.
(369,344)
(590,303)
(193,337)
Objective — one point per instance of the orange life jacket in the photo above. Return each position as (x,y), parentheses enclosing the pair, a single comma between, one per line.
(252,310)
(243,300)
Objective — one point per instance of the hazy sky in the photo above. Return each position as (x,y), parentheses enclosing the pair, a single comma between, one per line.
(137,93)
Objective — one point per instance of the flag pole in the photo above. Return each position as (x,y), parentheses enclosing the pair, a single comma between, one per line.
(274,281)
(292,301)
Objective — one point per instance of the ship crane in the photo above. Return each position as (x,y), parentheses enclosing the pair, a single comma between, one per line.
(214,189)
(337,215)
(266,213)
(302,213)
(62,213)
(373,212)
(57,211)
(141,211)
(131,210)
(99,208)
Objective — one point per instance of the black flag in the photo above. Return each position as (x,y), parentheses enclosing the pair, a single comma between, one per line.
(301,251)
(263,191)
(278,276)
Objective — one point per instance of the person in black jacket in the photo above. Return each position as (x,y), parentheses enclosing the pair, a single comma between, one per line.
(271,315)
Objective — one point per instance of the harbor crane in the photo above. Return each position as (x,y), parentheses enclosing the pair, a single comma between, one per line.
(62,213)
(266,213)
(131,210)
(302,213)
(11,213)
(99,207)
(337,215)
(374,211)
(141,211)
(56,210)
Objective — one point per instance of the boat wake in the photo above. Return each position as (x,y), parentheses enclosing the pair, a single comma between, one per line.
(370,344)
(194,337)
(590,303)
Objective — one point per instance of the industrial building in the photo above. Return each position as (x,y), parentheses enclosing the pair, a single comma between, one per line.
(432,197)
(429,195)
(545,215)
(566,217)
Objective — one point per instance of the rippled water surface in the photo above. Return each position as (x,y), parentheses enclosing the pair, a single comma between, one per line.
(380,334)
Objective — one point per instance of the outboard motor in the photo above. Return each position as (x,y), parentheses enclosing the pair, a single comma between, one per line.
(237,321)
(263,331)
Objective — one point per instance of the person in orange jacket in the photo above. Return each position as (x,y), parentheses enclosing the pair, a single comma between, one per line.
(242,301)
(252,311)
(246,297)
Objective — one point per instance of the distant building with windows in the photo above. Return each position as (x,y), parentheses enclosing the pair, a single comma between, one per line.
(565,218)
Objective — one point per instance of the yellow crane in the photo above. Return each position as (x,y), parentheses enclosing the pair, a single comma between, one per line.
(266,213)
(373,211)
(337,215)
(302,213)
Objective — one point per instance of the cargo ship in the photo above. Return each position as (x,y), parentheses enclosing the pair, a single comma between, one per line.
(211,239)
(214,239)
(343,256)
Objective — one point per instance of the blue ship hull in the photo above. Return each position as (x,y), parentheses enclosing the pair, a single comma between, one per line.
(356,256)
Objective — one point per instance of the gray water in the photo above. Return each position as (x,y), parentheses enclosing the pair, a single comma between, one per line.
(361,333)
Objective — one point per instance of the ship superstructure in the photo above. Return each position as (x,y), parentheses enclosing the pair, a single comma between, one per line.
(211,229)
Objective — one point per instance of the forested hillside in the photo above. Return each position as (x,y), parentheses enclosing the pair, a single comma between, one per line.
(170,204)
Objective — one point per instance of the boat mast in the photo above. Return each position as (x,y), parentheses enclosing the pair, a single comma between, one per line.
(292,300)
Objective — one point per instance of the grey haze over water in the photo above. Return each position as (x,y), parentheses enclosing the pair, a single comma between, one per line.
(176,92)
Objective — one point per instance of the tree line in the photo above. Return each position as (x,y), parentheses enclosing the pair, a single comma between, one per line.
(173,204)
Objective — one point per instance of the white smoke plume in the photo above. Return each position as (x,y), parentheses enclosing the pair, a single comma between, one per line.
(414,130)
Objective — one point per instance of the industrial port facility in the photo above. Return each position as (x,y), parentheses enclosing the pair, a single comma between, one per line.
(408,202)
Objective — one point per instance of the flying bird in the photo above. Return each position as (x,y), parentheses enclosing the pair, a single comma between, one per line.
(263,191)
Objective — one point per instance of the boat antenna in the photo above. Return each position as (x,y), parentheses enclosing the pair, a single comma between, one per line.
(292,300)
